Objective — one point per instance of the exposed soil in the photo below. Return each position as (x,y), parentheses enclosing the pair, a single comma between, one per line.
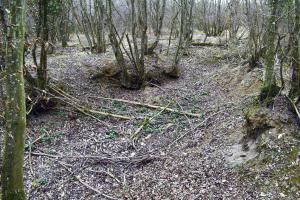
(174,157)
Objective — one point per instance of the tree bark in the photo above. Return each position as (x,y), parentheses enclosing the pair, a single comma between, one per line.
(269,87)
(42,74)
(295,89)
(15,110)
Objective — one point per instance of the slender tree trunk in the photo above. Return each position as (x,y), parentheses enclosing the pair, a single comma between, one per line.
(15,111)
(295,89)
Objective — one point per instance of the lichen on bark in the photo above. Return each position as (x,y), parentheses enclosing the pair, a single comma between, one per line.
(15,111)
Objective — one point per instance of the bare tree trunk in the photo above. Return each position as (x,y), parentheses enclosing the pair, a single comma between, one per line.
(116,46)
(138,55)
(15,110)
(159,18)
(174,71)
(172,29)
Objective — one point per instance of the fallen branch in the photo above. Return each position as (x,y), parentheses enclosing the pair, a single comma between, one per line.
(124,160)
(150,106)
(110,115)
(79,157)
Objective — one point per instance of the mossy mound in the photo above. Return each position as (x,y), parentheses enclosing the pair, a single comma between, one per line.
(268,93)
(276,133)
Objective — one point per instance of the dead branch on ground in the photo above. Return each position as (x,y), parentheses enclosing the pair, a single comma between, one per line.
(150,106)
(72,101)
(137,160)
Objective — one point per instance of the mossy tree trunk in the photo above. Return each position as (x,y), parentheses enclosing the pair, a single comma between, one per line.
(295,89)
(15,111)
(42,74)
(269,89)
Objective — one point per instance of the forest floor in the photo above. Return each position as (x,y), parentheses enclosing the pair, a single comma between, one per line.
(73,156)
